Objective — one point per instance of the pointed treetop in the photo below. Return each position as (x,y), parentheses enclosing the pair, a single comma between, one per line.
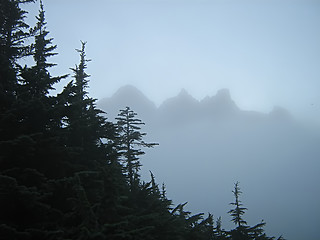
(43,47)
(238,211)
(41,24)
(80,76)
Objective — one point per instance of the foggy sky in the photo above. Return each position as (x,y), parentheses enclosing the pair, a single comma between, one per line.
(266,52)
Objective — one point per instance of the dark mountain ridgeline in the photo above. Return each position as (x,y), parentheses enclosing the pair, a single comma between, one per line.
(184,108)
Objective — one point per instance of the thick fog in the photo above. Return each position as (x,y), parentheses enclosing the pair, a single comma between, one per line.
(205,146)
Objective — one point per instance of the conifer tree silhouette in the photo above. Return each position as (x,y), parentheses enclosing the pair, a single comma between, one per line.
(130,143)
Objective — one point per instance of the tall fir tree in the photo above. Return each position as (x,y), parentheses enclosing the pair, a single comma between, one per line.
(34,118)
(238,211)
(130,143)
(37,107)
(41,82)
(14,32)
(85,125)
(25,151)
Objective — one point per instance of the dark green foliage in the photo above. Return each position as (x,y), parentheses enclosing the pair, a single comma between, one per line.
(28,126)
(37,80)
(82,120)
(65,171)
(36,108)
(13,33)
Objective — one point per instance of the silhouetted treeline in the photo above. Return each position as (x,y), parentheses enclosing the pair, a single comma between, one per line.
(66,172)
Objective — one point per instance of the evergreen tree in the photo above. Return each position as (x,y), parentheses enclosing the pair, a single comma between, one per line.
(13,35)
(243,231)
(33,119)
(78,103)
(219,233)
(86,129)
(37,109)
(130,143)
(27,152)
(37,79)
(238,211)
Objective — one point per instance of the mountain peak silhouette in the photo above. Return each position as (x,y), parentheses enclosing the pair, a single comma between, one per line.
(183,98)
(127,96)
(221,103)
(128,91)
(223,93)
(183,107)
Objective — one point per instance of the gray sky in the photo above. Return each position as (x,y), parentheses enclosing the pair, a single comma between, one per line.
(266,52)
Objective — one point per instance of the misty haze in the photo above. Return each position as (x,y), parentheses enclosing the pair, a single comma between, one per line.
(207,145)
(159,120)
